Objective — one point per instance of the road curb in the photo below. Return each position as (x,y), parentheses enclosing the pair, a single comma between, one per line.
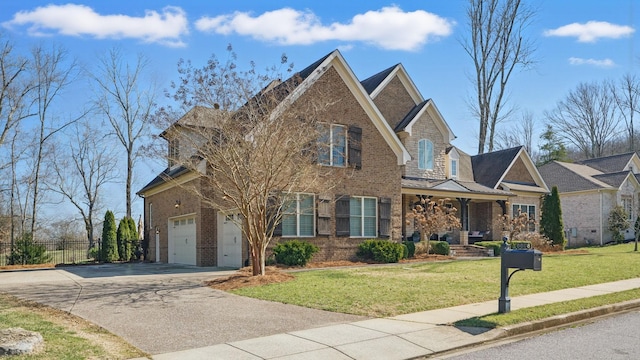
(558,320)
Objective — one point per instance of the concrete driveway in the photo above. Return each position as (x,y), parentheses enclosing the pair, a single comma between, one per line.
(161,308)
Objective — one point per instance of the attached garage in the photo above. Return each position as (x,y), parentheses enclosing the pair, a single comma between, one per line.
(182,240)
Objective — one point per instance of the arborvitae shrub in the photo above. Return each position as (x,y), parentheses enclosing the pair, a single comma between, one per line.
(109,238)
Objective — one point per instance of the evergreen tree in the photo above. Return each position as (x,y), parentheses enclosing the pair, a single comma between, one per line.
(552,148)
(132,244)
(109,238)
(551,225)
(122,239)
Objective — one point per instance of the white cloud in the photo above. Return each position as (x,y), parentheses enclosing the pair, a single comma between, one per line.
(165,27)
(604,63)
(389,28)
(592,31)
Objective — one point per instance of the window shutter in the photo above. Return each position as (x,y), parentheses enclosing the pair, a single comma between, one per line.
(384,217)
(324,215)
(342,215)
(355,147)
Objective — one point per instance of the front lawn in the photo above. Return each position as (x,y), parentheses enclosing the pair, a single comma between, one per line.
(381,291)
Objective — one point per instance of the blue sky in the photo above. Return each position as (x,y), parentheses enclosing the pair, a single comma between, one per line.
(576,41)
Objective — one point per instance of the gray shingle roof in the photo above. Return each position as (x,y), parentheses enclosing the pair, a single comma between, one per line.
(372,82)
(609,164)
(613,179)
(162,178)
(488,168)
(570,177)
(407,119)
(454,185)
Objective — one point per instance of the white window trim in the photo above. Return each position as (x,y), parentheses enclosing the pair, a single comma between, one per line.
(330,127)
(362,217)
(535,212)
(454,168)
(298,213)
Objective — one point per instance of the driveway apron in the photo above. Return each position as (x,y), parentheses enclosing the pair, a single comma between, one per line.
(161,308)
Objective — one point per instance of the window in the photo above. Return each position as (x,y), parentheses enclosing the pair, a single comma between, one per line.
(627,204)
(425,154)
(454,168)
(174,151)
(332,148)
(150,215)
(530,211)
(363,215)
(298,216)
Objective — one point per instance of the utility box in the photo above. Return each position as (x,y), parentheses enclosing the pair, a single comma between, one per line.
(522,259)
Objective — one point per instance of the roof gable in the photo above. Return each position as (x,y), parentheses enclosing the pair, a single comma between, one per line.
(429,107)
(336,61)
(491,169)
(613,163)
(376,83)
(569,177)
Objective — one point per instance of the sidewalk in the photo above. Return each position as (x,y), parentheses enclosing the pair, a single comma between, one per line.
(406,336)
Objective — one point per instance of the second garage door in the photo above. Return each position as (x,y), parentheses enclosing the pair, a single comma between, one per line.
(182,240)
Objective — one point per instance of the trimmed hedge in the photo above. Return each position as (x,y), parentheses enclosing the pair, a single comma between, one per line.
(411,249)
(294,252)
(440,247)
(497,245)
(383,251)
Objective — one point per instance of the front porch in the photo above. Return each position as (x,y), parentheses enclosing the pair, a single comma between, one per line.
(476,206)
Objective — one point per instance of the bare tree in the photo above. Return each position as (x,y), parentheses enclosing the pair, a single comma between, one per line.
(82,169)
(519,134)
(14,89)
(127,102)
(498,45)
(433,217)
(627,98)
(53,72)
(254,148)
(587,118)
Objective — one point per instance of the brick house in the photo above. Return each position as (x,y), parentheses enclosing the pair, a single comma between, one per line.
(590,189)
(399,147)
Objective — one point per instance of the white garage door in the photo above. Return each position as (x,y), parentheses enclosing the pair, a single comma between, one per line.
(229,240)
(182,240)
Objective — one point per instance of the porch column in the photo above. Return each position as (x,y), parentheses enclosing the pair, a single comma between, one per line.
(503,205)
(464,221)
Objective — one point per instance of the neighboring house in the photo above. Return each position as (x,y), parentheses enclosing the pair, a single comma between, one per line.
(590,189)
(399,147)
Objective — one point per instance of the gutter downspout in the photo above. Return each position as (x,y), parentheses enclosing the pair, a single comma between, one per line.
(601,234)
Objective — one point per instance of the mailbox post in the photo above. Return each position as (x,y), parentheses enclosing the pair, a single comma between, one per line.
(519,259)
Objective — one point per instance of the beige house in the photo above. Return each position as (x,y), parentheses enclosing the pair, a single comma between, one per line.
(589,190)
(398,146)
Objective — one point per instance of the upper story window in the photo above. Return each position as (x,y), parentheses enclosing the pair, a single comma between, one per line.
(174,151)
(298,215)
(332,147)
(150,215)
(454,168)
(363,219)
(425,154)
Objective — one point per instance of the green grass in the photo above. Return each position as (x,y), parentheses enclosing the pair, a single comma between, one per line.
(381,291)
(545,311)
(61,333)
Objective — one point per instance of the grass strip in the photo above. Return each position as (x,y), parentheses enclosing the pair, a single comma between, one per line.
(65,336)
(545,311)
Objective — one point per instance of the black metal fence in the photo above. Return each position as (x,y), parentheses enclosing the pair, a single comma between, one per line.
(49,252)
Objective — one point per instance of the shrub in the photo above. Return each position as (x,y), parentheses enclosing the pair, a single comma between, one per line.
(495,245)
(28,252)
(94,253)
(383,251)
(411,249)
(440,247)
(405,251)
(420,248)
(294,252)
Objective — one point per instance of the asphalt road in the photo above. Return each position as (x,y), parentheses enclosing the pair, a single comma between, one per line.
(616,337)
(162,308)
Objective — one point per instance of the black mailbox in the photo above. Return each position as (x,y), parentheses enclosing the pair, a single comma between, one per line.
(523,259)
